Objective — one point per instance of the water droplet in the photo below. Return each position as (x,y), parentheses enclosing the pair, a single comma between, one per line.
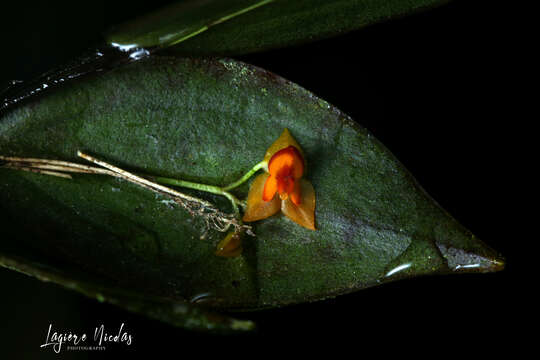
(398,269)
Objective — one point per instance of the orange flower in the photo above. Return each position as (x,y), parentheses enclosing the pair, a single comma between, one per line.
(282,187)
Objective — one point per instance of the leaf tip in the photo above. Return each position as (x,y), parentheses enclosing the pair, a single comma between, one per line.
(483,260)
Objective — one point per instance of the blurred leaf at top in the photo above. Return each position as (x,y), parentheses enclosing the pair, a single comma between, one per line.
(233,27)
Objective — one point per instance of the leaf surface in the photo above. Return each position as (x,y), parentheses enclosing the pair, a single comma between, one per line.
(211,120)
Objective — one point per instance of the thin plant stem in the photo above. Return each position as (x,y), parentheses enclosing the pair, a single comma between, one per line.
(244,178)
(53,164)
(140,180)
(39,171)
(202,187)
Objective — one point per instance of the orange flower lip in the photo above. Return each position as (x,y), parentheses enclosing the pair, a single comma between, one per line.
(285,167)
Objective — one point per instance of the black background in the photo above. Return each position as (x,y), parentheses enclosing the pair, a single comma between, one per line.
(433,87)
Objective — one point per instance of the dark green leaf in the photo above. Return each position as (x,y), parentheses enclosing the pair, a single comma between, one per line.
(210,121)
(244,26)
(166,308)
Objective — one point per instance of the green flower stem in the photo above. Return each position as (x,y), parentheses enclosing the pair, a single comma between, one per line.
(202,187)
(245,177)
(224,191)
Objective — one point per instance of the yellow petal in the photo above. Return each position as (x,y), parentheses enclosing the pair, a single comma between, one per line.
(285,140)
(257,208)
(303,214)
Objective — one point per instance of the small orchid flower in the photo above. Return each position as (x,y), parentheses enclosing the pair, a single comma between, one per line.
(282,187)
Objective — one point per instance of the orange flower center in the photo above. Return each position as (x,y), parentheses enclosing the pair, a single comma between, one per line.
(285,167)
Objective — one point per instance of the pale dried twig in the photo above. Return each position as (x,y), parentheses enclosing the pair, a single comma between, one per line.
(37,170)
(61,165)
(213,217)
